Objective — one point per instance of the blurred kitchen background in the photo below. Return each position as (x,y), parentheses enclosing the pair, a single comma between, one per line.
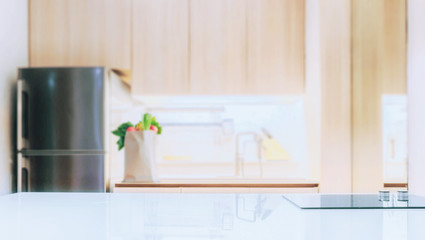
(205,136)
(265,90)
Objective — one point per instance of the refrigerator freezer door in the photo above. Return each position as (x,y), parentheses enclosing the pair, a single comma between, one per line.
(69,173)
(63,108)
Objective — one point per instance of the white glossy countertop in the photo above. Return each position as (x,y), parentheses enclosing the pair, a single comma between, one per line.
(193,216)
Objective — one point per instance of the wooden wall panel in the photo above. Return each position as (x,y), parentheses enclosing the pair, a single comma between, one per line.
(393,34)
(160,47)
(378,53)
(367,89)
(335,77)
(275,46)
(80,33)
(218,46)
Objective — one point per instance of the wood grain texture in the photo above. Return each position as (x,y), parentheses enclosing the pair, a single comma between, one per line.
(378,67)
(395,185)
(275,47)
(48,38)
(367,88)
(335,77)
(218,46)
(80,33)
(393,47)
(160,47)
(118,42)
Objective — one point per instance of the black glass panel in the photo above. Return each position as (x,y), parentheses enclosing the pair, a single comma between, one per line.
(353,201)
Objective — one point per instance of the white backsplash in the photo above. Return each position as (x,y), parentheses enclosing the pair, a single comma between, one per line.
(199,133)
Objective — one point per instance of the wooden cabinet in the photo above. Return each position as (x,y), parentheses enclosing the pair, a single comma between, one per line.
(160,47)
(177,47)
(247,47)
(80,33)
(275,40)
(218,47)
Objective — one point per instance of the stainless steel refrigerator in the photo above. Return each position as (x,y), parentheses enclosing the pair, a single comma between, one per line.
(61,129)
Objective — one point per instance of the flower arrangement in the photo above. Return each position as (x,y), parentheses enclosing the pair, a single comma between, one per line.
(148,123)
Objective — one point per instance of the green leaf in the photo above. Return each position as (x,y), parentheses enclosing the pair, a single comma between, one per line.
(120,143)
(120,132)
(117,133)
(147,120)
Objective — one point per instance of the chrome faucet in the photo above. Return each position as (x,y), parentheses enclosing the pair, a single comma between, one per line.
(239,159)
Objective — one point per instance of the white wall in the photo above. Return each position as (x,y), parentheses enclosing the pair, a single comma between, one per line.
(313,84)
(13,54)
(416,95)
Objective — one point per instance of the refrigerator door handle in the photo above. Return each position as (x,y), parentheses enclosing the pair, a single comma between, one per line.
(19,143)
(25,179)
(19,114)
(23,174)
(19,173)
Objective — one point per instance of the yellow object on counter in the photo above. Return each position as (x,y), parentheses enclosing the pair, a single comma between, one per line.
(274,151)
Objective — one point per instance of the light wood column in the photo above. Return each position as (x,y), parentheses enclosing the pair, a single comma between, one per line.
(393,41)
(367,89)
(378,55)
(335,73)
(328,92)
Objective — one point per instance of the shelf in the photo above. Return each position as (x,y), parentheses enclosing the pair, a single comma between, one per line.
(217,185)
(395,185)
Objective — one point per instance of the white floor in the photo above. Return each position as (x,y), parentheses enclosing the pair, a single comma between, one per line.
(193,216)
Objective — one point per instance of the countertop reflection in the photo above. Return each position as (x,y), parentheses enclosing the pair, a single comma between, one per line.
(193,216)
